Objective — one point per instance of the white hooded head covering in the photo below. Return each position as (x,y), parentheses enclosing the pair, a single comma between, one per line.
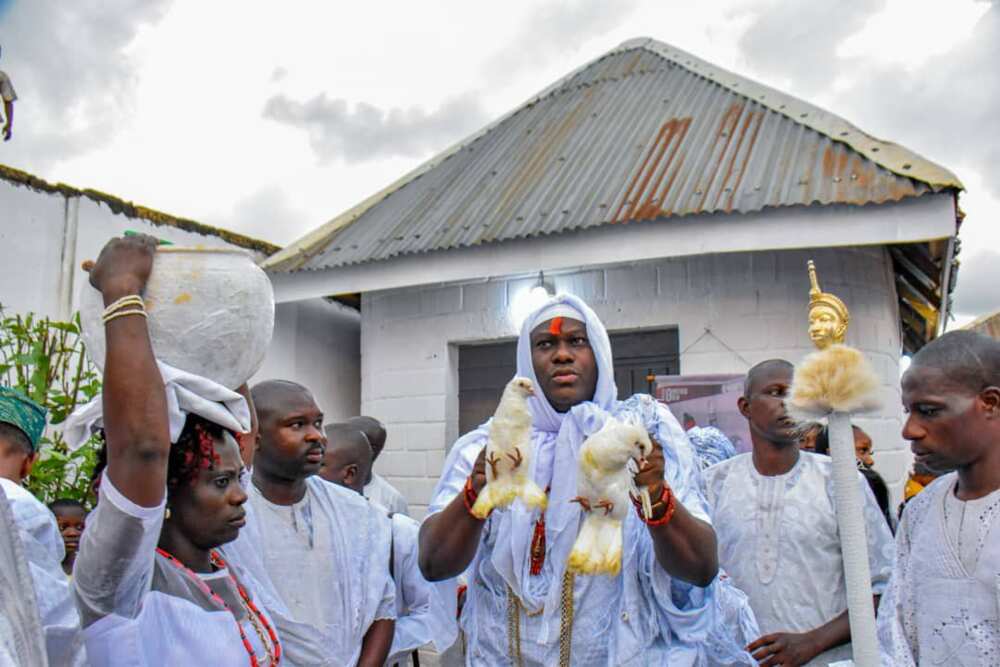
(565,305)
(556,439)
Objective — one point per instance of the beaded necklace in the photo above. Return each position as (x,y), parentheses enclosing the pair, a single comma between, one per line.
(255,616)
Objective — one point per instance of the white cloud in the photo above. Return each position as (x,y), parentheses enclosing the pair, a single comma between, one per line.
(365,132)
(268,214)
(73,71)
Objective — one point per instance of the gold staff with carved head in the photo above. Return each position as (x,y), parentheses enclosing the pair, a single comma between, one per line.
(834,382)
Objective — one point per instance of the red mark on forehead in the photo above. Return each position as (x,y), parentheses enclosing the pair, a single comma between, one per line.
(555,326)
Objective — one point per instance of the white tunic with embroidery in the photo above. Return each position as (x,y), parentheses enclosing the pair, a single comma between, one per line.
(778,540)
(323,570)
(941,604)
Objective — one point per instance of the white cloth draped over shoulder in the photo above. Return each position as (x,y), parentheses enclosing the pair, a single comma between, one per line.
(938,610)
(354,591)
(186,393)
(644,616)
(425,611)
(779,541)
(44,550)
(21,638)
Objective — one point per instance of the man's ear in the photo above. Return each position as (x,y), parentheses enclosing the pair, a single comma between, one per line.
(28,464)
(350,473)
(743,403)
(989,398)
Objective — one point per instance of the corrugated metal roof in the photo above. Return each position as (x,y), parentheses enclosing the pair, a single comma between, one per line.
(645,132)
(988,325)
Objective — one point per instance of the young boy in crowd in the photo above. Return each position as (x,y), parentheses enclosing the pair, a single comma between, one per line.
(71,517)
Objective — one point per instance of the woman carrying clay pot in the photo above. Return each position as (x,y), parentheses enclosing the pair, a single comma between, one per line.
(150,584)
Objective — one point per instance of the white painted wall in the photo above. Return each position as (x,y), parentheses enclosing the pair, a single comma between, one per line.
(754,304)
(315,341)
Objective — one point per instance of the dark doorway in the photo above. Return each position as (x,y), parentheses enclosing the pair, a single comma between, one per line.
(484,370)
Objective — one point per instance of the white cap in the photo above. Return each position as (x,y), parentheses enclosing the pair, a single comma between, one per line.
(557,309)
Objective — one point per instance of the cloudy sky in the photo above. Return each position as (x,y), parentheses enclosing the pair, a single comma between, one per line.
(270,118)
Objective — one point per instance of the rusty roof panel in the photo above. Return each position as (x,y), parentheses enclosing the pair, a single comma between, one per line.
(644,133)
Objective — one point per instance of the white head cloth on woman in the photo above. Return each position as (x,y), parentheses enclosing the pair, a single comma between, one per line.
(187,393)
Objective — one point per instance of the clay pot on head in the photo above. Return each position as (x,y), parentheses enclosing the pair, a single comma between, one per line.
(211,313)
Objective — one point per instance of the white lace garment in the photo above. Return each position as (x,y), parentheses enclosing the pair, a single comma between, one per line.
(779,542)
(941,605)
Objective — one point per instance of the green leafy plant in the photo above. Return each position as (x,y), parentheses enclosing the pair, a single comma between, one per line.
(45,359)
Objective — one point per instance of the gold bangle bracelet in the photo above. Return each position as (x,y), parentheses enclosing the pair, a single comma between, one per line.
(124,313)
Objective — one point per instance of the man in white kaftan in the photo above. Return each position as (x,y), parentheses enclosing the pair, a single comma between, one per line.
(778,540)
(43,547)
(941,604)
(21,638)
(425,611)
(778,535)
(319,551)
(21,424)
(324,577)
(644,616)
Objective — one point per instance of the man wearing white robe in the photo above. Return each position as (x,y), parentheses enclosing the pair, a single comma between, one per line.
(425,611)
(773,510)
(941,604)
(321,551)
(21,425)
(661,609)
(21,638)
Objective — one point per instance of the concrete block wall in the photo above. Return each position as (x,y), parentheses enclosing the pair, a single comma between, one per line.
(731,311)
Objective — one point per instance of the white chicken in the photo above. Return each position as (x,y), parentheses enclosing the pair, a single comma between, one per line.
(603,484)
(508,453)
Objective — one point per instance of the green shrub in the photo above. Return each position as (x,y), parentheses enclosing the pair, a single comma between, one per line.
(45,359)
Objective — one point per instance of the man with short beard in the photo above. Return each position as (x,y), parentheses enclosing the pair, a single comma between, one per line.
(522,607)
(323,549)
(940,606)
(774,512)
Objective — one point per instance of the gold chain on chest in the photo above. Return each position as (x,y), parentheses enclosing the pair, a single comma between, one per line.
(514,609)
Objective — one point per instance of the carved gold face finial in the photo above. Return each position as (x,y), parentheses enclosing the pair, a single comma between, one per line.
(828,316)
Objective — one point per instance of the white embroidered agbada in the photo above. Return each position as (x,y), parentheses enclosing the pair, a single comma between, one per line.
(385,494)
(326,556)
(941,604)
(140,610)
(778,540)
(425,611)
(641,617)
(44,550)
